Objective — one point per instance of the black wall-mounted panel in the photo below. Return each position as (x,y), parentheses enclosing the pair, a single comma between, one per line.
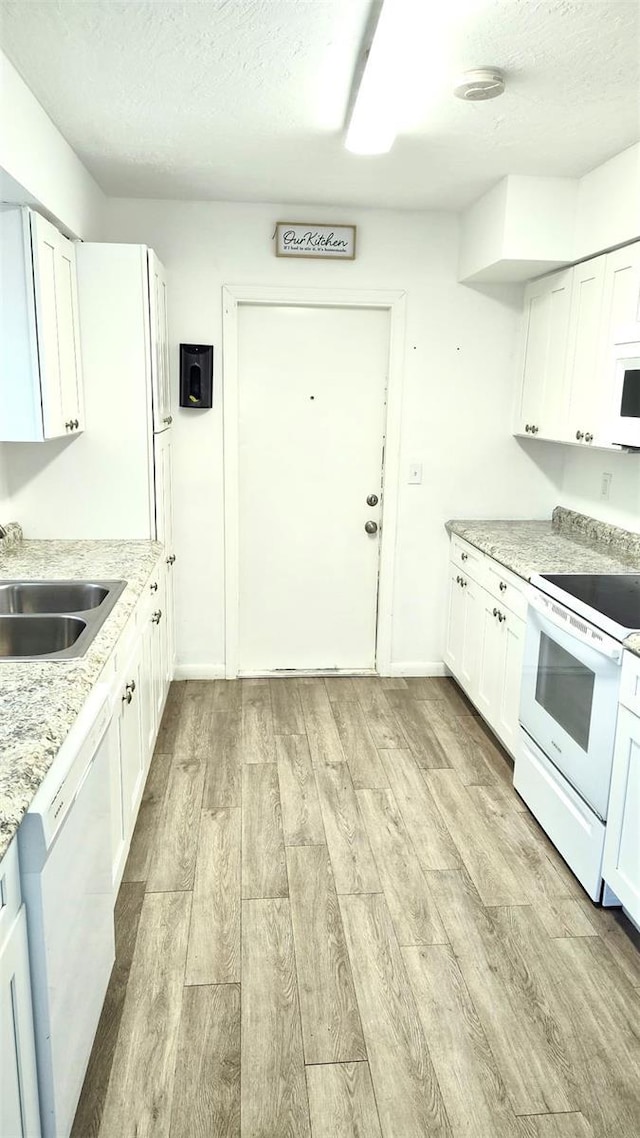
(196,375)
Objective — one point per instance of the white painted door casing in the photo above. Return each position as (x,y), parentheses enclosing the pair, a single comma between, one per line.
(311,420)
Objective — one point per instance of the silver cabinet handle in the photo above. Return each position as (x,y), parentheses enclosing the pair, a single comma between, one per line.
(157,616)
(588,438)
(495,612)
(168,419)
(154,586)
(463,582)
(502,587)
(372,500)
(69,425)
(171,559)
(371,527)
(464,556)
(534,429)
(128,691)
(527,427)
(579,435)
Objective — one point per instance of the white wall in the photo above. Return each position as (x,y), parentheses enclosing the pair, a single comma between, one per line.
(582,482)
(35,156)
(458,394)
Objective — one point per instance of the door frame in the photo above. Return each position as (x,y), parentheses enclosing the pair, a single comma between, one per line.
(391,301)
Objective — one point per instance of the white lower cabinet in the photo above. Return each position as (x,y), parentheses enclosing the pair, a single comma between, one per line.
(621,868)
(139,694)
(485,642)
(19,1113)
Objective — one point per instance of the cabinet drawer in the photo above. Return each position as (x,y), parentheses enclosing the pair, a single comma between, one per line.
(506,587)
(9,889)
(468,558)
(630,682)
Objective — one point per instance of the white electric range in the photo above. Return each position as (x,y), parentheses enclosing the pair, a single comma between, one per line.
(576,624)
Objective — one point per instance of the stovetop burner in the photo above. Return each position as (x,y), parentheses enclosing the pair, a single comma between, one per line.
(615,596)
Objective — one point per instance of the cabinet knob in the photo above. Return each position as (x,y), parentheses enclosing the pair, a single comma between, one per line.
(154,586)
(157,616)
(495,612)
(69,425)
(534,429)
(463,582)
(372,500)
(76,423)
(464,556)
(168,419)
(527,427)
(128,691)
(170,560)
(588,438)
(502,587)
(501,617)
(579,435)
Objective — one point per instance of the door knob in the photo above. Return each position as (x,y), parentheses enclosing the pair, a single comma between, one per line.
(372,500)
(371,527)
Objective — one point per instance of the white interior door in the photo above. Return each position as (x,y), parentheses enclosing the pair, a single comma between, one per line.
(311,418)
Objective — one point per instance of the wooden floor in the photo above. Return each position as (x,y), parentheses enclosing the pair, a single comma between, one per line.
(338,919)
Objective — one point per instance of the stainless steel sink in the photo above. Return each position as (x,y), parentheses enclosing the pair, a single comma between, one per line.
(51,596)
(26,637)
(53,620)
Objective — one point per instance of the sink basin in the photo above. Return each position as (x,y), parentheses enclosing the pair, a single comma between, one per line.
(51,596)
(29,637)
(53,620)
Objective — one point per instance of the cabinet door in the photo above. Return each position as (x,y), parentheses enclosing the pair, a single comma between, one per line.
(19,1115)
(44,245)
(455,622)
(506,719)
(132,754)
(622,844)
(621,298)
(490,659)
(161,385)
(584,372)
(546,320)
(472,630)
(68,333)
(57,328)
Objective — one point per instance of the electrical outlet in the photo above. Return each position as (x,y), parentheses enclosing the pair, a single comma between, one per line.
(415,474)
(605,485)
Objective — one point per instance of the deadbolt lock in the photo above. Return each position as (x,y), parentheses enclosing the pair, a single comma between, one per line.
(372,500)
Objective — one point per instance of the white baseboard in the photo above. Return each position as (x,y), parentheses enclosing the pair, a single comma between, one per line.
(199,672)
(217,671)
(419,668)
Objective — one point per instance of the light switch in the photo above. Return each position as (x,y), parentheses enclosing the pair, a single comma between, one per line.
(415,474)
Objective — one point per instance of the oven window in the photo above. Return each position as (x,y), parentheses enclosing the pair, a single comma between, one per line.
(564,687)
(630,404)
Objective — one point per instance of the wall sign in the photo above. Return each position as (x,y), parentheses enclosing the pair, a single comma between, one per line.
(321,242)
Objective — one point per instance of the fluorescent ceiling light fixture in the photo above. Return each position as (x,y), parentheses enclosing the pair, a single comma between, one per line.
(410,58)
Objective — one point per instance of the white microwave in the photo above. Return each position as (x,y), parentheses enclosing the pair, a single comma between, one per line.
(625,419)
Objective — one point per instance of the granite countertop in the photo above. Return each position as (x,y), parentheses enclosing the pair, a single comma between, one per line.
(567,543)
(39,701)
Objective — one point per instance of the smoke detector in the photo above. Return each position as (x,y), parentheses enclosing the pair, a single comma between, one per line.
(483,83)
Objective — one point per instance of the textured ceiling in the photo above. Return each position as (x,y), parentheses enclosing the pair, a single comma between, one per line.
(246,99)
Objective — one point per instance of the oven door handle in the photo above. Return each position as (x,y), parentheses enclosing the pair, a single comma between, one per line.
(606,646)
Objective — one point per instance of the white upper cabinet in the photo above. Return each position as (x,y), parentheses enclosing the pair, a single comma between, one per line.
(161,388)
(584,372)
(40,362)
(546,323)
(572,322)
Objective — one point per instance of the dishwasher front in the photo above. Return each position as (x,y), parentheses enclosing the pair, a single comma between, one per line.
(65,868)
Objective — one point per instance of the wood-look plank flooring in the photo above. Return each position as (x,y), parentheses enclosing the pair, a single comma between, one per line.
(338,920)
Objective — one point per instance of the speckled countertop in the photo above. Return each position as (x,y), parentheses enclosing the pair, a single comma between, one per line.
(567,543)
(39,701)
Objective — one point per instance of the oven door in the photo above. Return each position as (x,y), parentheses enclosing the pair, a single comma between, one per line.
(569,700)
